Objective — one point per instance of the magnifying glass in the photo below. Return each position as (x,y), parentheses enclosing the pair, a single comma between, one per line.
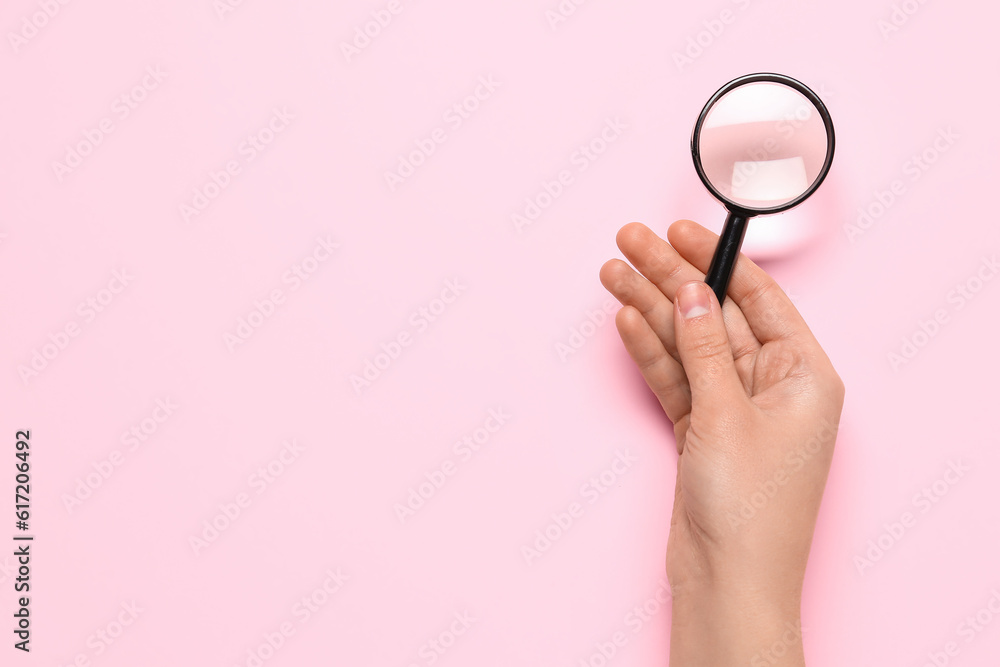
(762,145)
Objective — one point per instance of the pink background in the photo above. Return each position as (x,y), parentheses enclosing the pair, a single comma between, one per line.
(515,338)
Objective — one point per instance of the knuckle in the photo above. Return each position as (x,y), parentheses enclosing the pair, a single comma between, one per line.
(705,345)
(668,265)
(762,288)
(668,387)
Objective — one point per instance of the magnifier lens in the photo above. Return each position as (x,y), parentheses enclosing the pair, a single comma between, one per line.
(762,145)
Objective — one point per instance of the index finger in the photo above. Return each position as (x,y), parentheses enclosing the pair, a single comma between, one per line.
(768,310)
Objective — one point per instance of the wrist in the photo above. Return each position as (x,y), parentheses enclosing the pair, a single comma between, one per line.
(735,623)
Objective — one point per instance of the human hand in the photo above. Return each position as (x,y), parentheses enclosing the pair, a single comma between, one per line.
(755,404)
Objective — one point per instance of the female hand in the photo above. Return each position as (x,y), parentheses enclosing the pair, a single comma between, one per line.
(755,404)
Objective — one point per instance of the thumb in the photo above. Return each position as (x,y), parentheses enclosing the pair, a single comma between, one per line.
(704,349)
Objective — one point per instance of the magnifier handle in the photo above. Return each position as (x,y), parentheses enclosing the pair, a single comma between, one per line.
(726,254)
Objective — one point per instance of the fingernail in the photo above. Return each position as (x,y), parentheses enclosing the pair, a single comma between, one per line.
(692,299)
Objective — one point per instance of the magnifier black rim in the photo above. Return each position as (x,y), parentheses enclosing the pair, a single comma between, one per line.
(770,77)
